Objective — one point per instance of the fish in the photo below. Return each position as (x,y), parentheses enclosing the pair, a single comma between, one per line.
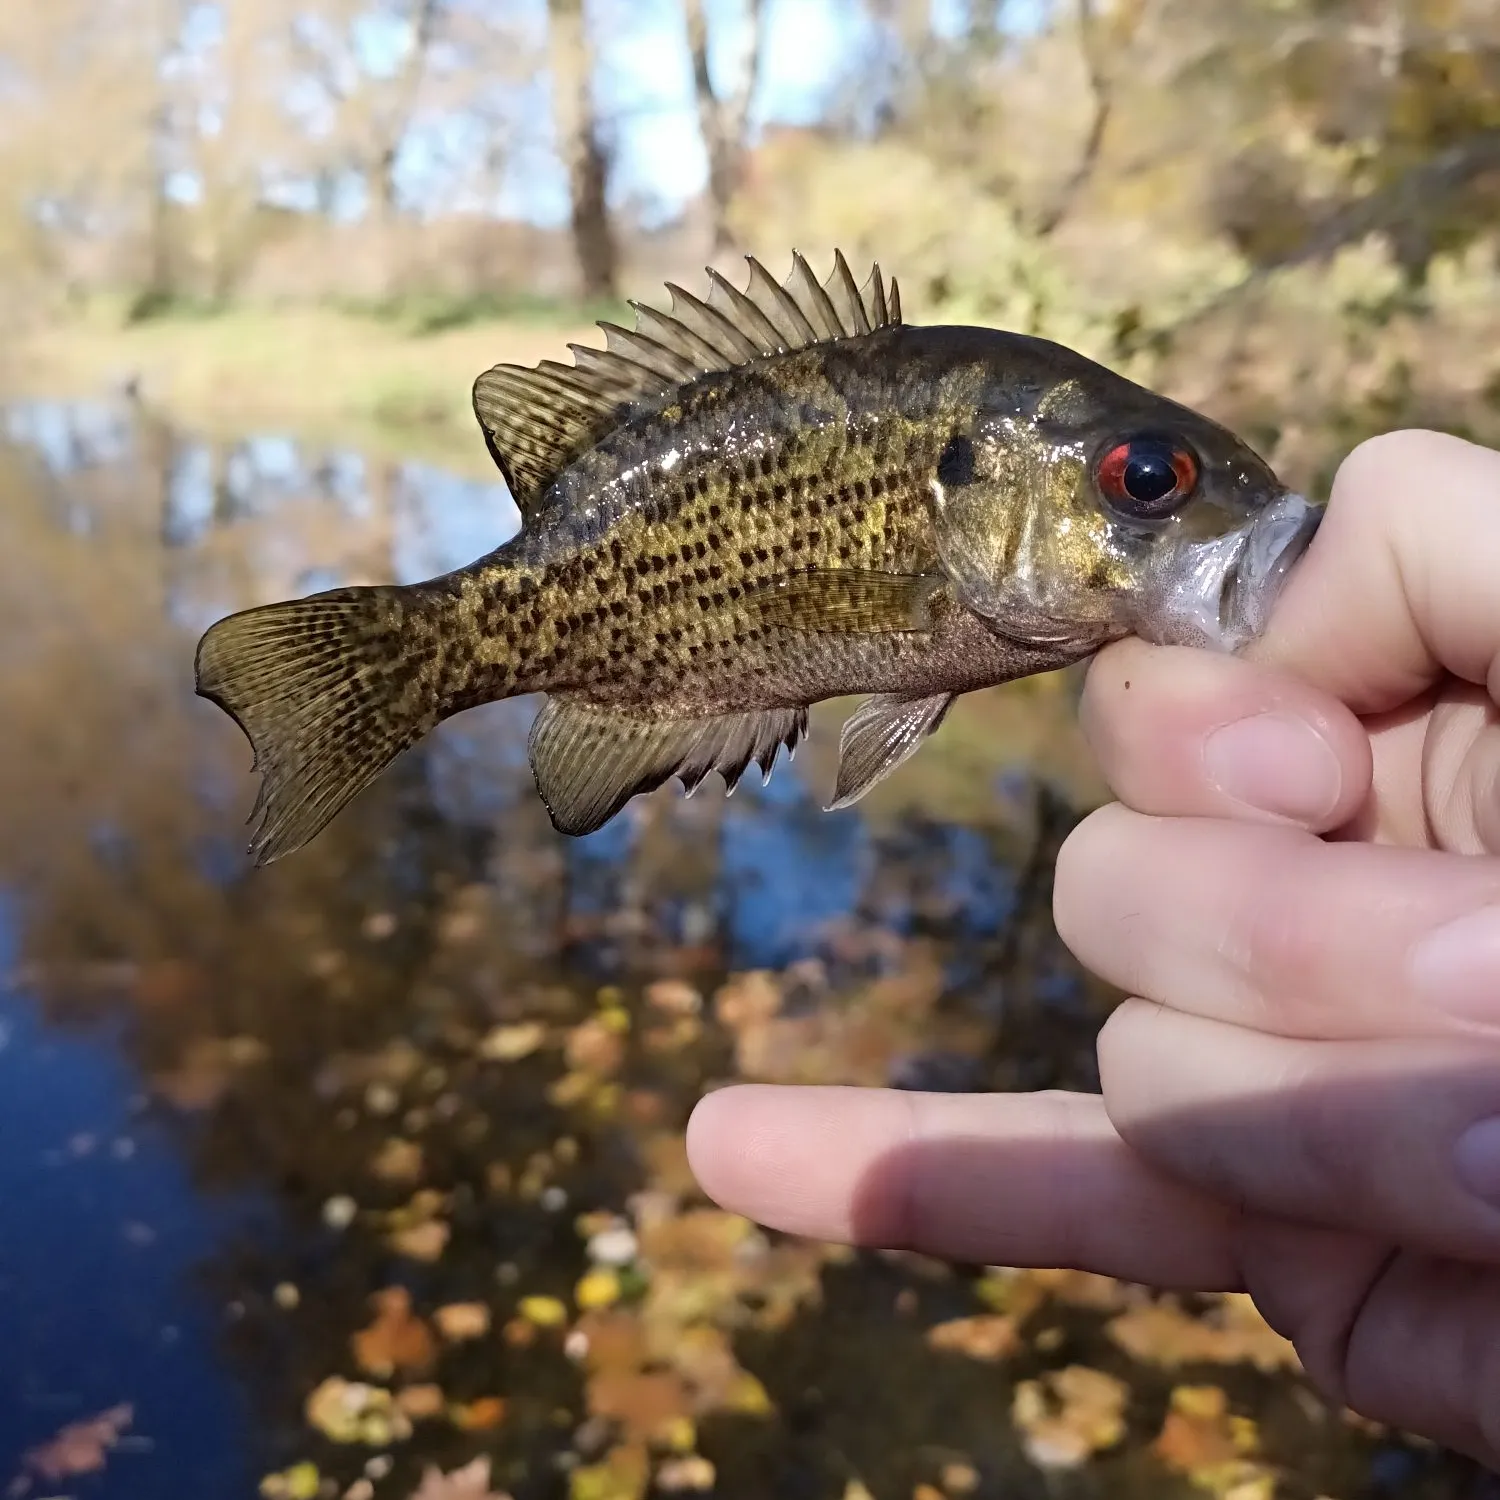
(758,500)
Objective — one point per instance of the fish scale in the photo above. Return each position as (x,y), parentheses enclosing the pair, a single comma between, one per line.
(744,507)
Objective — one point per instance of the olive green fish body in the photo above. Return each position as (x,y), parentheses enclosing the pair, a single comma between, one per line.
(642,581)
(759,502)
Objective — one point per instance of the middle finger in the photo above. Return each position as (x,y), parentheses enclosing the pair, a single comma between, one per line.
(1278,930)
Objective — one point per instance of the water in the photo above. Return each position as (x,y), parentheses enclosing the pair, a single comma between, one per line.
(196,1060)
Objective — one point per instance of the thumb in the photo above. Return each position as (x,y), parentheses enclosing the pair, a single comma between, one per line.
(1395,611)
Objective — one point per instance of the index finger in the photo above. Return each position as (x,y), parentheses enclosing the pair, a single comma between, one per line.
(990,1179)
(1399,584)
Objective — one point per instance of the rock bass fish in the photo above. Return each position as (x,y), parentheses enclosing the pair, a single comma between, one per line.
(747,505)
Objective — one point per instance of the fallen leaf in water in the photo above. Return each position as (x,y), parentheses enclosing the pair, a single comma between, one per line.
(622,1474)
(348,1411)
(205,1069)
(989,1336)
(421,1402)
(692,1472)
(675,996)
(80,1447)
(422,1241)
(170,984)
(480,1415)
(1162,1332)
(472,1482)
(645,1403)
(512,1043)
(960,1478)
(300,1482)
(1068,1415)
(703,1239)
(462,1320)
(544,1312)
(856,1489)
(599,1288)
(596,1047)
(397,1161)
(396,1340)
(745,999)
(1202,1439)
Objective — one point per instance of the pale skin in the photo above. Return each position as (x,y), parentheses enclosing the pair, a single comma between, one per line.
(1300,884)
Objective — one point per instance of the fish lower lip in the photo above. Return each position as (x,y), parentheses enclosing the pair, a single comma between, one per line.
(1271,550)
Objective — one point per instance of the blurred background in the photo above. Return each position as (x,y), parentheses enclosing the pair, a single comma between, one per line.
(362,1176)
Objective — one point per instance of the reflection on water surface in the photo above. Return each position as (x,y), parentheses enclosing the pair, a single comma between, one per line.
(446,1051)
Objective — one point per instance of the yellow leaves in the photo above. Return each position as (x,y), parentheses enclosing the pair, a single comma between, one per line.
(416,1230)
(681,1474)
(747,1396)
(512,1043)
(1068,1415)
(959,1478)
(397,1161)
(622,1474)
(598,1288)
(1161,1332)
(543,1312)
(422,1241)
(346,1411)
(1210,1445)
(988,1336)
(396,1340)
(676,997)
(478,1416)
(648,1404)
(300,1482)
(421,1402)
(459,1321)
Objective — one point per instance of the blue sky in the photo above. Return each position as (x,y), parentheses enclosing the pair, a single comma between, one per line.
(644,87)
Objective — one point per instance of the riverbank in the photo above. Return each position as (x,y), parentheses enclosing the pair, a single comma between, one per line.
(389,384)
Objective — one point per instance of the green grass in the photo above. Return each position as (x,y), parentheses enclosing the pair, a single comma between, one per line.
(391,383)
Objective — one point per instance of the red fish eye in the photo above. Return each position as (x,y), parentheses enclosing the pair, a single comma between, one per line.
(1148,476)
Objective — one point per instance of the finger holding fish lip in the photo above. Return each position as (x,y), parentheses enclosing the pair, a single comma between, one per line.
(1189,733)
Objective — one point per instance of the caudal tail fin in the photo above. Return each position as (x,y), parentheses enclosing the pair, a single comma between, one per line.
(329,690)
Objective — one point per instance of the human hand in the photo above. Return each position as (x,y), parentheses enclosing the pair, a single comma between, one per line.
(1300,881)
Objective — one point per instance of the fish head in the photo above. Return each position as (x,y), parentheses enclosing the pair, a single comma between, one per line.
(1100,509)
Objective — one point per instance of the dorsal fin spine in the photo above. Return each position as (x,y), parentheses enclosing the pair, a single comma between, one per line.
(538,420)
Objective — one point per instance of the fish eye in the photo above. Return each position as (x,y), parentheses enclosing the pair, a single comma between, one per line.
(1148,477)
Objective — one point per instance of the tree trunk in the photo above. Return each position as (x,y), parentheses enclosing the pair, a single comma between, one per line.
(582,150)
(723,120)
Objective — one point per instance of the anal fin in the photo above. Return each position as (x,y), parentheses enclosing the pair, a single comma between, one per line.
(590,761)
(884,732)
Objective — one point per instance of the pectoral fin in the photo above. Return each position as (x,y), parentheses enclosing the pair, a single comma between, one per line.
(881,734)
(848,600)
(590,761)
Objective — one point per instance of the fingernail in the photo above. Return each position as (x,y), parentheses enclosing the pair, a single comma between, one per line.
(1477,1158)
(1456,967)
(1275,762)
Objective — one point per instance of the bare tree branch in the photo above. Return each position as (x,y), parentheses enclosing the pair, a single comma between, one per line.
(724,121)
(582,149)
(1102,92)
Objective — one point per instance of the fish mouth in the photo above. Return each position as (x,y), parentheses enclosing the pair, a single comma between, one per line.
(1272,547)
(1220,594)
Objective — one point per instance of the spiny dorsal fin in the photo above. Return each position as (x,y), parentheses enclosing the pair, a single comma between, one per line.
(538,421)
(590,761)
